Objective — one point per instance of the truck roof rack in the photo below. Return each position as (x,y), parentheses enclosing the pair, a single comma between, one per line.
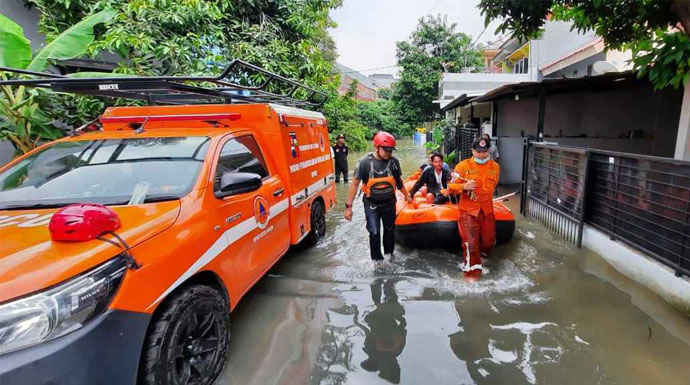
(223,89)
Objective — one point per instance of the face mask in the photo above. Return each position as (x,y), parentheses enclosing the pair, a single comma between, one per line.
(481,161)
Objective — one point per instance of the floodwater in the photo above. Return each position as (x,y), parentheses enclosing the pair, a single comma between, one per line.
(545,313)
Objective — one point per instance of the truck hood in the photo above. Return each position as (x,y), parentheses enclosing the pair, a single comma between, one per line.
(30,261)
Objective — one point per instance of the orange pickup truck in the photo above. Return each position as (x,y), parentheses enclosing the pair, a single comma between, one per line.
(124,249)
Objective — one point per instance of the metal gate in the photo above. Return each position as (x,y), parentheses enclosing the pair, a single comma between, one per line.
(464,137)
(554,188)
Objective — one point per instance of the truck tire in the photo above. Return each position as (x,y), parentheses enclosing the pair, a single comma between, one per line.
(318,223)
(188,340)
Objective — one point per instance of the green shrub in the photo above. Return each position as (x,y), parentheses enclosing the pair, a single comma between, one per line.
(355,134)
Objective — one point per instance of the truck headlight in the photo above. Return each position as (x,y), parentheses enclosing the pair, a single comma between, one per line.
(60,310)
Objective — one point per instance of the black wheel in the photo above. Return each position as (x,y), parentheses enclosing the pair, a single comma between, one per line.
(187,342)
(318,224)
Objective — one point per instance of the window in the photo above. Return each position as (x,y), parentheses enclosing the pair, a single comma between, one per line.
(104,171)
(521,66)
(241,154)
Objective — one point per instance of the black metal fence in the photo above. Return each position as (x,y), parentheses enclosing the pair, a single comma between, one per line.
(643,201)
(459,139)
(640,200)
(464,136)
(555,189)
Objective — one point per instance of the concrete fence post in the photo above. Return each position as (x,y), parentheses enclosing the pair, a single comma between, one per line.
(683,137)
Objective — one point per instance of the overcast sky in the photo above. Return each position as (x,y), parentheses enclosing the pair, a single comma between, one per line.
(368,29)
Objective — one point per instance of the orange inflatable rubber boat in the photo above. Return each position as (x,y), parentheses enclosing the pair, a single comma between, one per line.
(423,225)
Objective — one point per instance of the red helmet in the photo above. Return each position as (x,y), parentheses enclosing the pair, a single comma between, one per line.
(82,222)
(384,139)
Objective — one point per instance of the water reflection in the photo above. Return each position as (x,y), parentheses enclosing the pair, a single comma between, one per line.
(470,342)
(385,329)
(497,350)
(334,358)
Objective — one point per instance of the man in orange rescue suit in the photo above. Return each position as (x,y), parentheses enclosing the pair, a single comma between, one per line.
(380,174)
(476,179)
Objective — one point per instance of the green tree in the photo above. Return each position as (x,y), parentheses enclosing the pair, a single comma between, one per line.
(168,37)
(338,109)
(341,112)
(22,122)
(194,37)
(355,133)
(385,93)
(656,31)
(434,47)
(382,115)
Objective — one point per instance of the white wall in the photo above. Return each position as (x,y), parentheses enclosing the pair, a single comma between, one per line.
(511,151)
(453,85)
(578,69)
(640,268)
(558,41)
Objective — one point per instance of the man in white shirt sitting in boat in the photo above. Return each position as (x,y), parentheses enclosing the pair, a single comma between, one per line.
(435,178)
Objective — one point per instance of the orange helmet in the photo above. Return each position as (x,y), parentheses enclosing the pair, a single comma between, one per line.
(384,139)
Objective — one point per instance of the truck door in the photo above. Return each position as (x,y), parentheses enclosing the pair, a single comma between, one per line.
(254,223)
(272,236)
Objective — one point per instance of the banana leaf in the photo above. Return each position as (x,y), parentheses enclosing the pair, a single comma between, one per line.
(15,49)
(89,75)
(71,43)
(8,25)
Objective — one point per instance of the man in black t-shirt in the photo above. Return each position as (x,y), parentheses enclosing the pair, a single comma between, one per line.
(380,175)
(340,152)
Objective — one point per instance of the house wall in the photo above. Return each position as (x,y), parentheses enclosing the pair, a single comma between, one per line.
(515,117)
(364,93)
(479,111)
(633,119)
(482,111)
(511,151)
(452,85)
(25,17)
(557,41)
(578,69)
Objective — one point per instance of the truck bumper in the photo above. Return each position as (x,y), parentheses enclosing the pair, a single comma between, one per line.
(105,351)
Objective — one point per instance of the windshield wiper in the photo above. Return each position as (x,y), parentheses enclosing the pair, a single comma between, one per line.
(24,206)
(51,205)
(160,198)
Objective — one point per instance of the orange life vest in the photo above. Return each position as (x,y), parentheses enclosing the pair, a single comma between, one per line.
(486,177)
(380,186)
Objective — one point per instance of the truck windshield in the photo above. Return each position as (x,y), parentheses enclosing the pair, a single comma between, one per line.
(111,172)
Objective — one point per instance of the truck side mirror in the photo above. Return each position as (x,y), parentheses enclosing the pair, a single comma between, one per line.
(233,183)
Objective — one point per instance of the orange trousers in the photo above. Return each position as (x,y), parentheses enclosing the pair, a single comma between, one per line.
(478,234)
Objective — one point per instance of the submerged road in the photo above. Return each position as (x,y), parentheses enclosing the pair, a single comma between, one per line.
(546,313)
